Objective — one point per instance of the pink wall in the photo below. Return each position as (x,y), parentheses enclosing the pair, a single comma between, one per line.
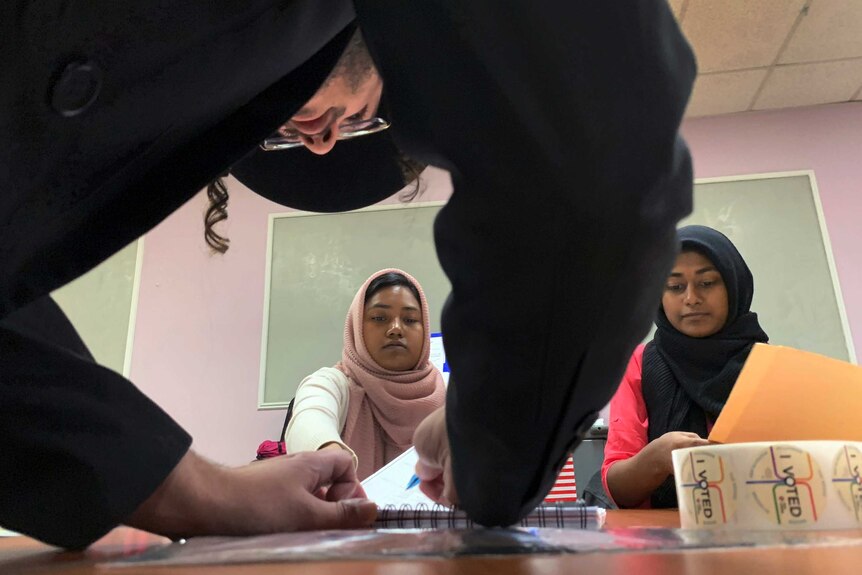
(826,139)
(197,338)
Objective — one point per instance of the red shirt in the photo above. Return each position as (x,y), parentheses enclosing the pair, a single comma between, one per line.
(628,425)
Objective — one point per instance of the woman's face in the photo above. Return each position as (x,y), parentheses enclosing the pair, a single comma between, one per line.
(695,297)
(393,329)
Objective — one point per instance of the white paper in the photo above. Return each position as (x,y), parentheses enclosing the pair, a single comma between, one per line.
(388,486)
(438,356)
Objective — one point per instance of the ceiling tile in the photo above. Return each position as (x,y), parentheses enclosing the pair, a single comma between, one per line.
(724,93)
(832,29)
(809,84)
(735,34)
(676,6)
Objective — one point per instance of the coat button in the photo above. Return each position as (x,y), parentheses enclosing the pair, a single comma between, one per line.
(76,89)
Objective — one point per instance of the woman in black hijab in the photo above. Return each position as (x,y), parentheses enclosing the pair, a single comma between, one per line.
(676,386)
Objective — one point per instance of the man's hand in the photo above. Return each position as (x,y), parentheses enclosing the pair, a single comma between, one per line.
(315,490)
(434,467)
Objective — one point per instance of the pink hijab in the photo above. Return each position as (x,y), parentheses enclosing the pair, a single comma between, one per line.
(385,406)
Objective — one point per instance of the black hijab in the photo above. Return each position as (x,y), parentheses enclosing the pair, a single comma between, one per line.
(686,380)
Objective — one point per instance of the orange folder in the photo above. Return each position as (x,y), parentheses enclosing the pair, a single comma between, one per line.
(784,394)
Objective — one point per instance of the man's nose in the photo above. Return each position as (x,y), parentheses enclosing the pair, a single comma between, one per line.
(322,142)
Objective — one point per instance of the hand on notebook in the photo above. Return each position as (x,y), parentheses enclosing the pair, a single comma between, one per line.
(434,467)
(314,490)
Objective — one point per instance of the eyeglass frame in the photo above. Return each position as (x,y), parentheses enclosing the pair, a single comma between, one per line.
(371,126)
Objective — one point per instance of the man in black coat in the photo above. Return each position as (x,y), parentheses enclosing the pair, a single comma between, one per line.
(557,120)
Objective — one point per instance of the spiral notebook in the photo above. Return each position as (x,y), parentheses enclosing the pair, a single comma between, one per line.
(555,515)
(402,505)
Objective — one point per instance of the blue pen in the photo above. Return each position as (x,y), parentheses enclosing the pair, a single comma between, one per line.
(414,481)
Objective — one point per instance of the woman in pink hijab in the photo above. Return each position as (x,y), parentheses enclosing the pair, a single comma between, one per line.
(371,401)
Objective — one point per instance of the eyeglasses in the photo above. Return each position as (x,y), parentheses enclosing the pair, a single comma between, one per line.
(346,131)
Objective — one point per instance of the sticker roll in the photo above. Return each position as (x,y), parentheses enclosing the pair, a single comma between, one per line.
(770,485)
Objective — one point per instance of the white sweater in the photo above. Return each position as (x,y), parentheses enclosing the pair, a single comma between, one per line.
(319,412)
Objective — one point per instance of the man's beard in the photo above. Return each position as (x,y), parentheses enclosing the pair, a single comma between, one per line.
(354,66)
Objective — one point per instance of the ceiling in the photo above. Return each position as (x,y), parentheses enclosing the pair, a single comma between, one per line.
(769,54)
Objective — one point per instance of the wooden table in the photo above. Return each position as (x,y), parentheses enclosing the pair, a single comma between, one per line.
(20,555)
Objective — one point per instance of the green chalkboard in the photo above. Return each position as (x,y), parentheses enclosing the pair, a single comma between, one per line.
(101,305)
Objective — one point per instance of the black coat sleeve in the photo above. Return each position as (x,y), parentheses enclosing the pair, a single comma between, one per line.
(80,447)
(559,123)
(112,115)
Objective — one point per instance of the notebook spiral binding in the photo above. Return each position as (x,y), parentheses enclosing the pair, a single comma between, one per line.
(558,515)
